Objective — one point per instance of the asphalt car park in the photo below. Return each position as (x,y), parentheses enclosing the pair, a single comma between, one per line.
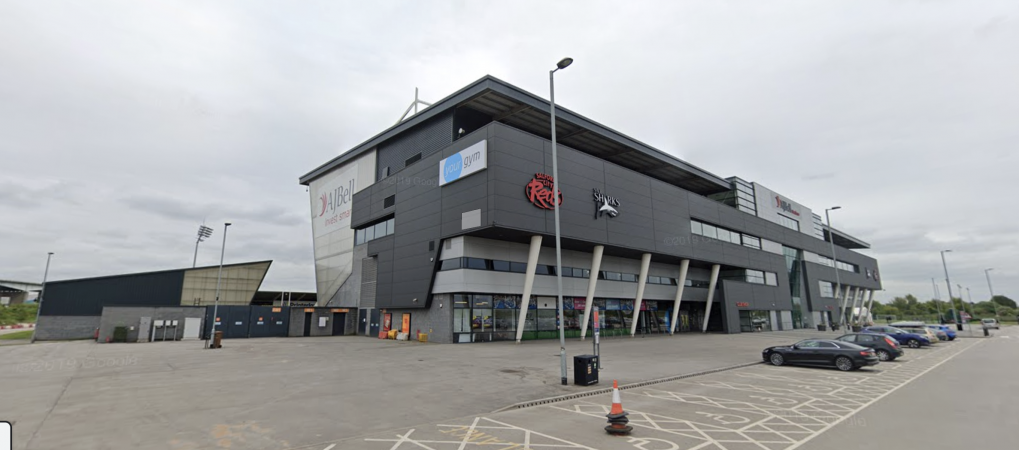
(755,407)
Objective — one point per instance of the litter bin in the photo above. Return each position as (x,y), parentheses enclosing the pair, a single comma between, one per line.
(821,328)
(857,328)
(217,340)
(585,370)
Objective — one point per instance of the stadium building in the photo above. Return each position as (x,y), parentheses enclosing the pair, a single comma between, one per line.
(443,224)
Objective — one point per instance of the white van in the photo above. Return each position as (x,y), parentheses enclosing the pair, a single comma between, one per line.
(990,323)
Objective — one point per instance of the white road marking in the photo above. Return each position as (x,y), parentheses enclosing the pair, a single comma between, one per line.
(330,447)
(876,399)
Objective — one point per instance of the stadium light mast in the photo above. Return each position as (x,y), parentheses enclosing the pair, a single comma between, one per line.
(203,233)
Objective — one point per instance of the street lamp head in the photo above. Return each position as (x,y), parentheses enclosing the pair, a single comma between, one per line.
(833,208)
(946,251)
(227,224)
(564,63)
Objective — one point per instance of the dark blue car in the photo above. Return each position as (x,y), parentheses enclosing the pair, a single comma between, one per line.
(904,337)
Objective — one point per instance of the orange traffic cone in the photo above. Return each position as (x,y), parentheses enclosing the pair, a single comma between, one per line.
(617,417)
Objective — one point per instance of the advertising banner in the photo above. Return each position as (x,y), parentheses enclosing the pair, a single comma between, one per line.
(333,201)
(464,163)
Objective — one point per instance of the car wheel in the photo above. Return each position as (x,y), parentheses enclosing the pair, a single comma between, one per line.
(883,355)
(776,359)
(913,343)
(844,364)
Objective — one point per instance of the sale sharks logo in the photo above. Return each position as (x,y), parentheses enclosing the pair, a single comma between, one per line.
(604,204)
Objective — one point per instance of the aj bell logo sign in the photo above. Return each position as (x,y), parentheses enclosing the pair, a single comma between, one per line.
(466,162)
(604,204)
(785,206)
(334,200)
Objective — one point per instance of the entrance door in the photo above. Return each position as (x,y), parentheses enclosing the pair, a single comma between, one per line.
(339,321)
(374,322)
(307,324)
(362,321)
(192,328)
(144,329)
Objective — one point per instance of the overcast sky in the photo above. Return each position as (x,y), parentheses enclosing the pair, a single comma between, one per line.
(125,124)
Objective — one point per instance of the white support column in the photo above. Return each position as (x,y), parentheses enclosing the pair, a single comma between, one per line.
(861,294)
(645,264)
(711,295)
(841,319)
(870,305)
(684,266)
(850,299)
(525,299)
(592,282)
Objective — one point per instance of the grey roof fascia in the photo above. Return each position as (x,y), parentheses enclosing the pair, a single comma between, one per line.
(449,102)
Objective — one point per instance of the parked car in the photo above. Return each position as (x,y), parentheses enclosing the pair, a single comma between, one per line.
(932,335)
(844,356)
(990,323)
(911,340)
(885,346)
(947,329)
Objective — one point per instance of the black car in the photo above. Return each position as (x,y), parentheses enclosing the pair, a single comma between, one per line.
(887,349)
(844,356)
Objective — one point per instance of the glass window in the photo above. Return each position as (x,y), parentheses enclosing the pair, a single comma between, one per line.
(734,238)
(359,237)
(461,300)
(631,277)
(546,320)
(614,276)
(369,234)
(771,279)
(695,227)
(578,273)
(477,263)
(751,241)
(461,320)
(505,320)
(543,269)
(723,235)
(849,338)
(518,267)
(391,226)
(808,344)
(755,276)
(654,280)
(501,266)
(482,301)
(710,231)
(827,345)
(380,230)
(789,222)
(450,264)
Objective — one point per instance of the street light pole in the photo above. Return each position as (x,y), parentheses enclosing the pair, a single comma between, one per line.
(42,292)
(937,297)
(958,317)
(987,273)
(219,278)
(835,263)
(562,64)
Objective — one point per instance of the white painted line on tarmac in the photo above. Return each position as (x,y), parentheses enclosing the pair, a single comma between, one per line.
(330,447)
(876,399)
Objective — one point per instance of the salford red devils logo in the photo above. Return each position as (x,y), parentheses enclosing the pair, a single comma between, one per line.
(539,192)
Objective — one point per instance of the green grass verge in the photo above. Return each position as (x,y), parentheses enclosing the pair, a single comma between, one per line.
(27,334)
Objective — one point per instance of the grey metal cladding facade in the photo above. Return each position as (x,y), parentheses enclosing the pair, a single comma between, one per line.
(86,297)
(425,138)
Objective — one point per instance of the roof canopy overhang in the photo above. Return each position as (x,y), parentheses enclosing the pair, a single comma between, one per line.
(520,109)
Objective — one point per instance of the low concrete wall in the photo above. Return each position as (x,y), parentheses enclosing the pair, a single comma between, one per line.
(130,316)
(56,328)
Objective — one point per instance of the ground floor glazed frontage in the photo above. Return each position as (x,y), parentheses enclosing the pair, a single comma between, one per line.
(495,317)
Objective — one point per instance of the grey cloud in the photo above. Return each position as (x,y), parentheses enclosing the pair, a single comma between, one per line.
(182,210)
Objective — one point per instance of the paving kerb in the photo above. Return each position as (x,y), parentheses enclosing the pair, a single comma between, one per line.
(341,386)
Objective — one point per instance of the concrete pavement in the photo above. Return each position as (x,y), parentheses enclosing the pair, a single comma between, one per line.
(276,393)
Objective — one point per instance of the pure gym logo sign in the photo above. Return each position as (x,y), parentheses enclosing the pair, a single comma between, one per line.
(785,206)
(604,204)
(466,162)
(539,191)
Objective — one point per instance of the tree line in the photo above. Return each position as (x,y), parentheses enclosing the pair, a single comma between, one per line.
(910,307)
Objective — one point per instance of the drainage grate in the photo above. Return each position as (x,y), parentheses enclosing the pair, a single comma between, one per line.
(545,401)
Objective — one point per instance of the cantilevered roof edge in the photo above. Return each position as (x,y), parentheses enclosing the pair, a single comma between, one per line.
(490,83)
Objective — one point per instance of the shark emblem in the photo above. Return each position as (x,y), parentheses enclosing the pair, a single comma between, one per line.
(604,204)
